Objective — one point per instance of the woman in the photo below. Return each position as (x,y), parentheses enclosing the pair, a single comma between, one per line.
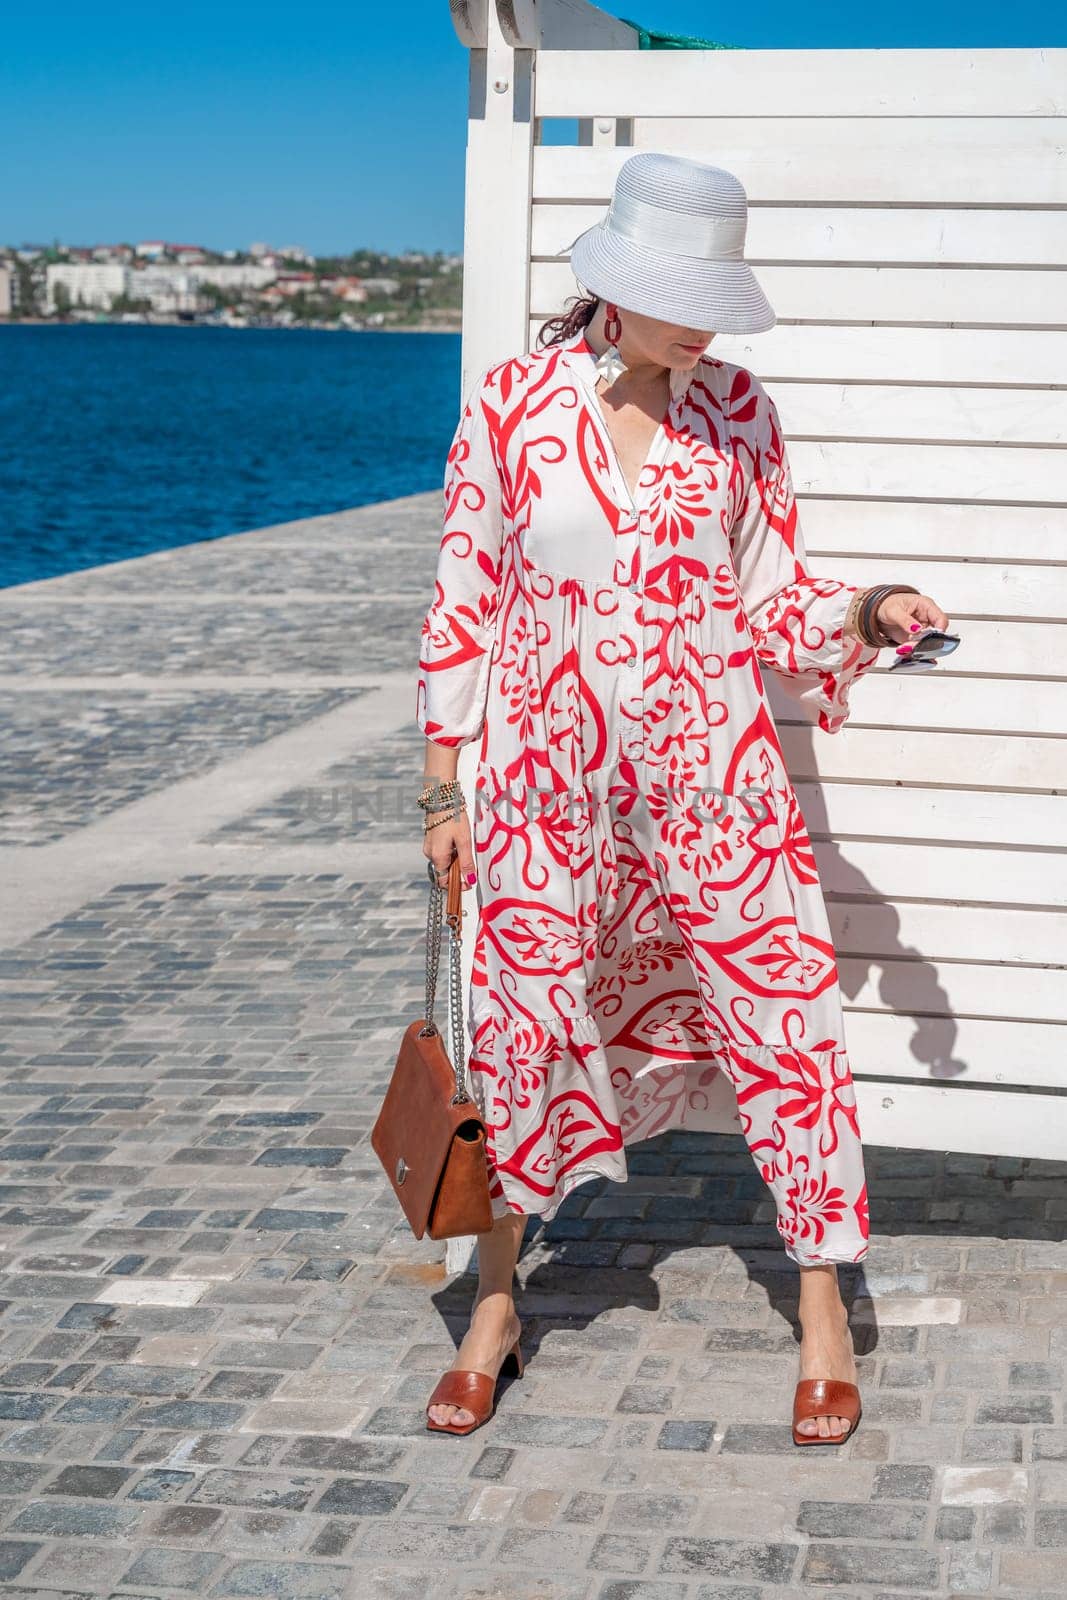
(621,556)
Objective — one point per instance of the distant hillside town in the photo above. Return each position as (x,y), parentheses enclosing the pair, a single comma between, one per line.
(263,286)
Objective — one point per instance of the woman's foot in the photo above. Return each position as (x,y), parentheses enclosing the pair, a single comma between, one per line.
(494,1328)
(826,1351)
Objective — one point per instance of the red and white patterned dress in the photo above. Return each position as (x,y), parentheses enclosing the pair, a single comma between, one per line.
(651,932)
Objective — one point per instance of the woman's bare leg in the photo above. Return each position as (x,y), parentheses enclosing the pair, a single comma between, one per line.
(826,1346)
(494,1325)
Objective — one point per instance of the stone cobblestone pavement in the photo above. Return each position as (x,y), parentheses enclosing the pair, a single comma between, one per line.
(218,1335)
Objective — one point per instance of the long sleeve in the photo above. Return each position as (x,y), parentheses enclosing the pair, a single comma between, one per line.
(459,628)
(796,618)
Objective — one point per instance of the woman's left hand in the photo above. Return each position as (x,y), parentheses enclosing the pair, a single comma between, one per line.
(898,612)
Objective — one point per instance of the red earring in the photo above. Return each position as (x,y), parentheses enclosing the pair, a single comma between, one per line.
(612,325)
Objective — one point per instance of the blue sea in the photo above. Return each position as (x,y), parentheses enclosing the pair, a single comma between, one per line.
(116,440)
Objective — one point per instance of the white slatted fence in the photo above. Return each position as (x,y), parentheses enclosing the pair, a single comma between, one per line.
(908,219)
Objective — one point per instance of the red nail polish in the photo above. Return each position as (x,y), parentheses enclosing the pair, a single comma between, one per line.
(915,627)
(472,877)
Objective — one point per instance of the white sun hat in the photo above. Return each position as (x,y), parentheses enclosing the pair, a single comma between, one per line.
(671,246)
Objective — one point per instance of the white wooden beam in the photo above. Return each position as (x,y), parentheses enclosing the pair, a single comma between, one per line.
(563,25)
(1023,82)
(470,20)
(974,1121)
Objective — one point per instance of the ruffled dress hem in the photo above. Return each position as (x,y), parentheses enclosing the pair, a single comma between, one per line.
(794,1106)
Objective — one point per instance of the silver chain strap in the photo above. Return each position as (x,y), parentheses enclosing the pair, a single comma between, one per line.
(457,1032)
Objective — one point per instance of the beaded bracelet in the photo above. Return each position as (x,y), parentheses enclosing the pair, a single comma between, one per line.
(440,793)
(438,796)
(446,817)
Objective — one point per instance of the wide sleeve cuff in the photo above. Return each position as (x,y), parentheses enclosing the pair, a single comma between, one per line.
(801,639)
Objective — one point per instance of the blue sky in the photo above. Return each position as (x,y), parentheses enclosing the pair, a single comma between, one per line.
(332,125)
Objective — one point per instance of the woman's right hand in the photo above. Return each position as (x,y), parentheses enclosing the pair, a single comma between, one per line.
(445,840)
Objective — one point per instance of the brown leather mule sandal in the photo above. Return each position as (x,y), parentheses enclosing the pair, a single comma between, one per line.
(825,1397)
(474,1391)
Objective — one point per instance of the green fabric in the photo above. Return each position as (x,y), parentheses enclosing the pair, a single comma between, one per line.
(652,39)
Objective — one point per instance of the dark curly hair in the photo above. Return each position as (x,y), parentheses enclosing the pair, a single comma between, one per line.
(568,323)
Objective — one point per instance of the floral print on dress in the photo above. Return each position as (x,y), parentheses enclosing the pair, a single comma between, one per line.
(651,944)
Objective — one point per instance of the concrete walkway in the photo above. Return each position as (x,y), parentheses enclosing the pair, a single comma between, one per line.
(217,1332)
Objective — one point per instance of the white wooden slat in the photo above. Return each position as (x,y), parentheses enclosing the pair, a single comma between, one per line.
(935,158)
(961,532)
(918,984)
(819,233)
(974,1121)
(931,355)
(916,472)
(842,83)
(890,869)
(772,175)
(911,294)
(1027,591)
(821,352)
(911,411)
(872,928)
(937,471)
(881,294)
(886,810)
(954,1052)
(971,704)
(914,755)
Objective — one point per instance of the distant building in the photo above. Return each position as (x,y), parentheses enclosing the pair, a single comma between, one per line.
(234,275)
(168,287)
(91,284)
(381,285)
(295,252)
(349,289)
(290,283)
(169,290)
(186,255)
(112,252)
(7,291)
(257,250)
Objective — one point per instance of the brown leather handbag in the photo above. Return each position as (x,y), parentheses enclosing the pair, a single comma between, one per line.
(428,1135)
